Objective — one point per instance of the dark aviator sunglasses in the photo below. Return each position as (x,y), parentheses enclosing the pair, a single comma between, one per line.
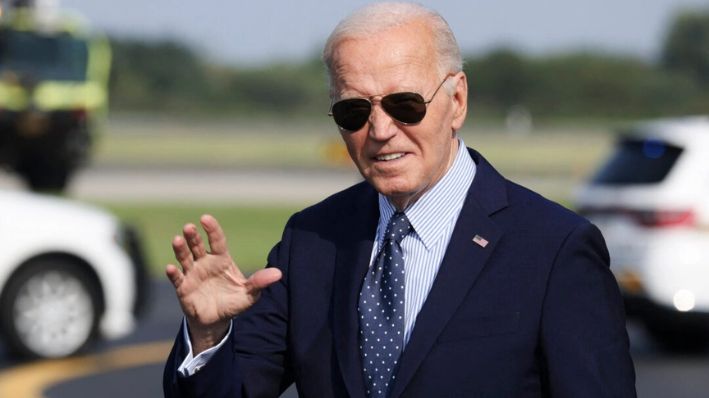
(406,108)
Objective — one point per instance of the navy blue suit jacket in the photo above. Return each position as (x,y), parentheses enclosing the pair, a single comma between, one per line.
(534,313)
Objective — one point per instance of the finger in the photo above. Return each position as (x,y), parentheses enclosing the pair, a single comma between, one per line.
(174,275)
(215,235)
(194,241)
(264,278)
(182,253)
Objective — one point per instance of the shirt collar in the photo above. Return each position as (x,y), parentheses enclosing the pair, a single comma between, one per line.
(435,209)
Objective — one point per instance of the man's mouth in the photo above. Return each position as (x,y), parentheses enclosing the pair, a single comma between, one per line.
(390,156)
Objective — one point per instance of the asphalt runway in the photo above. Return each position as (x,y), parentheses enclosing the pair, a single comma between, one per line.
(202,185)
(142,380)
(205,185)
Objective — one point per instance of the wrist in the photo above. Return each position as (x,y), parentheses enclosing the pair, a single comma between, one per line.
(204,337)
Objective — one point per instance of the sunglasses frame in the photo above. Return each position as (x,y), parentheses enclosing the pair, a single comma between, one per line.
(370,99)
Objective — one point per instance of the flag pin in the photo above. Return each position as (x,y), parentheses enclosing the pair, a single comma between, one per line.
(482,242)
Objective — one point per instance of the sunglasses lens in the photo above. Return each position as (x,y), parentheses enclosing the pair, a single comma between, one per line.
(351,114)
(407,108)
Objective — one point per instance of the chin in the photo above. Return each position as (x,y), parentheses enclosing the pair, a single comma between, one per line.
(392,189)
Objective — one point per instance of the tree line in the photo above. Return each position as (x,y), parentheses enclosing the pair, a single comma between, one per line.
(168,76)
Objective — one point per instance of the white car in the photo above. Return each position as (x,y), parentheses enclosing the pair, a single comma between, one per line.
(651,201)
(69,272)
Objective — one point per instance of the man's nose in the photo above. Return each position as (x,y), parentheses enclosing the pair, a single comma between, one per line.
(381,125)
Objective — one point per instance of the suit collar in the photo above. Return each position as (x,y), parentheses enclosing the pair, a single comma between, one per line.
(488,188)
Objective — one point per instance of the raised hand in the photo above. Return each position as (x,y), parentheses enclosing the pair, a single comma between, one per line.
(210,287)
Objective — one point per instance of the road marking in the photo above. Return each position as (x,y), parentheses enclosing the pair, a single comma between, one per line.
(29,381)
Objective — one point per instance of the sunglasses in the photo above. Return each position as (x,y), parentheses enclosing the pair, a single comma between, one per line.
(406,108)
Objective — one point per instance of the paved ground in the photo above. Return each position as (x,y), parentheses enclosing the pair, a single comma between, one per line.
(126,183)
(201,184)
(659,374)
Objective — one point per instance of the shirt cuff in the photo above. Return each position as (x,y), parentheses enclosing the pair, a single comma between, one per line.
(192,364)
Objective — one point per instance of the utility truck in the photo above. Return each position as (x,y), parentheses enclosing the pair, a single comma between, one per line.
(53,92)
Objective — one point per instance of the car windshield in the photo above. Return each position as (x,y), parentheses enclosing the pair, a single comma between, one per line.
(638,161)
(39,57)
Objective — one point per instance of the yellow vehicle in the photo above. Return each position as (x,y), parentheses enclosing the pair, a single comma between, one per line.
(53,93)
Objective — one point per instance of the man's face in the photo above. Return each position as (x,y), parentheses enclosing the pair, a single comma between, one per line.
(400,161)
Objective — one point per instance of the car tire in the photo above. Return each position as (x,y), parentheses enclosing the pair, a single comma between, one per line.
(49,309)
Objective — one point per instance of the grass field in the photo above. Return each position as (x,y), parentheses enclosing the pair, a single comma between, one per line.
(157,142)
(566,150)
(251,231)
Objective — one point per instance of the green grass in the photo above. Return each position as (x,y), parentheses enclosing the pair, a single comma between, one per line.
(555,150)
(548,153)
(251,231)
(235,143)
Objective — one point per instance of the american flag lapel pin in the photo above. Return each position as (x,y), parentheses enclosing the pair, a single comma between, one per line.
(480,241)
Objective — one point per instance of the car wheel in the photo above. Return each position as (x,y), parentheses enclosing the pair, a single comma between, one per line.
(49,309)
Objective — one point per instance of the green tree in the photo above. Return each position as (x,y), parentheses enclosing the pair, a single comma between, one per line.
(686,47)
(160,74)
(500,79)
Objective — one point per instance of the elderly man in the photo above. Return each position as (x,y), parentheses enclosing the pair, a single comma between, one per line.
(435,277)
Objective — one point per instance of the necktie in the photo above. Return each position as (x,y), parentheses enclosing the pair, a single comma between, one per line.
(381,311)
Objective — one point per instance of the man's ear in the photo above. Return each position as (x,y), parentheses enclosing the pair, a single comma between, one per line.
(460,100)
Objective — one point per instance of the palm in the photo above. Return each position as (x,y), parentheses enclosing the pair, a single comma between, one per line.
(210,287)
(213,290)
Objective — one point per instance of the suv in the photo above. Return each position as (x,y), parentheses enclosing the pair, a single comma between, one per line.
(69,272)
(651,201)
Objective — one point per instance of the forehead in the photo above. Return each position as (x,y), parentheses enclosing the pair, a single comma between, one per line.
(399,58)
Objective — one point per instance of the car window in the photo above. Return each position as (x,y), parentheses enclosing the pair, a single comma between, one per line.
(638,161)
(60,57)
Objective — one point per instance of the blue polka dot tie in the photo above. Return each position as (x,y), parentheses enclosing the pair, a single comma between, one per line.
(381,311)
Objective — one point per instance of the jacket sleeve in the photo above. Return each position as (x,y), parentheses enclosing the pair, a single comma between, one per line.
(253,362)
(584,340)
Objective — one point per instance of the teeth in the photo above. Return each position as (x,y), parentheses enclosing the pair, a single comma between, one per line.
(390,156)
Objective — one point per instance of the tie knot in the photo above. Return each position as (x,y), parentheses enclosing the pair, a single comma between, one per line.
(399,226)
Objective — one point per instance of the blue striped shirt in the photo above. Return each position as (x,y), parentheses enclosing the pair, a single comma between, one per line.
(433,217)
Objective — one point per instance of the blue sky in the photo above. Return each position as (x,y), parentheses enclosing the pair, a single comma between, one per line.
(252,32)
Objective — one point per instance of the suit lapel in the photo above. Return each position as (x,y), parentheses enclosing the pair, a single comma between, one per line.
(351,264)
(461,265)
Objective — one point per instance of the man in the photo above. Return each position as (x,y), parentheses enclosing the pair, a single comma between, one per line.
(434,278)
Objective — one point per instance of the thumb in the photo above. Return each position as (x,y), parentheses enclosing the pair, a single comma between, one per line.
(264,277)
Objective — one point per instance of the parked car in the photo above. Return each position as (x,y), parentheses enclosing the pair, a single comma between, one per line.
(651,201)
(69,272)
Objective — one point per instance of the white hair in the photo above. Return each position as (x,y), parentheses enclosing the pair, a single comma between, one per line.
(377,17)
